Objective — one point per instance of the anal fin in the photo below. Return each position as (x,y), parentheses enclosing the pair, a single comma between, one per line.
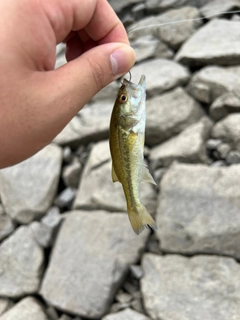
(114,176)
(146,176)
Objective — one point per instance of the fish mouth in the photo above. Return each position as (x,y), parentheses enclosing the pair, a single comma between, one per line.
(134,86)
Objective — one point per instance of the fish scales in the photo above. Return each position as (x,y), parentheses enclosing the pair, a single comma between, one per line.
(127,130)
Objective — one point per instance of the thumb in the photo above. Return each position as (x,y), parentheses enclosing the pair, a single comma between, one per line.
(82,78)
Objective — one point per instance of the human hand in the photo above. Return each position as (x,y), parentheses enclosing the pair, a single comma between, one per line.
(36,101)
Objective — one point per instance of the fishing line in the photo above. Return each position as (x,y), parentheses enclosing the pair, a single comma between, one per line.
(179,21)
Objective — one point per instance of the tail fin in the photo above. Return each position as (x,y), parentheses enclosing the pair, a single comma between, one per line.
(140,219)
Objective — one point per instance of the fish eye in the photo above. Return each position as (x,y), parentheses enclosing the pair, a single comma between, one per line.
(123,98)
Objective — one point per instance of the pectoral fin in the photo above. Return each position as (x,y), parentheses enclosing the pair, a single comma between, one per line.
(114,176)
(147,177)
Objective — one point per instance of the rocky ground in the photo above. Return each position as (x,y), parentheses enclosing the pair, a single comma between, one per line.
(67,251)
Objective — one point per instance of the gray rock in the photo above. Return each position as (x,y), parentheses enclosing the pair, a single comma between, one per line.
(138,11)
(215,7)
(27,309)
(64,317)
(148,47)
(65,198)
(71,174)
(60,52)
(28,188)
(52,313)
(119,5)
(169,114)
(88,239)
(227,103)
(203,287)
(127,314)
(21,261)
(67,154)
(96,189)
(163,5)
(123,297)
(212,144)
(228,130)
(188,146)
(6,226)
(218,164)
(173,27)
(108,93)
(211,82)
(43,234)
(175,34)
(161,75)
(195,204)
(91,124)
(233,157)
(53,218)
(136,271)
(223,150)
(5,304)
(217,42)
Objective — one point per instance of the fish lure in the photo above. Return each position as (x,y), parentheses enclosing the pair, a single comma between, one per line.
(127,135)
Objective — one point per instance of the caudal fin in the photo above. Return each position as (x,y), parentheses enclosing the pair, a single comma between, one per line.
(140,219)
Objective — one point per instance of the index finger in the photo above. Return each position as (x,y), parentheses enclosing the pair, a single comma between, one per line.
(95,16)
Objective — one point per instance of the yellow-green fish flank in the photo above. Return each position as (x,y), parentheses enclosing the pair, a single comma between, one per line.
(127,131)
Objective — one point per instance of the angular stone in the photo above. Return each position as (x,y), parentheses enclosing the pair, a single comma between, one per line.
(174,34)
(195,204)
(156,6)
(163,26)
(91,124)
(6,226)
(64,317)
(119,5)
(215,7)
(65,198)
(229,102)
(233,157)
(169,114)
(21,261)
(188,146)
(217,42)
(148,47)
(43,234)
(71,174)
(96,189)
(211,82)
(161,75)
(86,240)
(5,304)
(53,218)
(228,130)
(28,188)
(203,287)
(27,309)
(127,314)
(108,93)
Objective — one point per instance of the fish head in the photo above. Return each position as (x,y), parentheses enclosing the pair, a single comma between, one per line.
(131,96)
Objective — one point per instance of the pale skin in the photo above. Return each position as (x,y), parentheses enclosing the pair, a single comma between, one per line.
(36,101)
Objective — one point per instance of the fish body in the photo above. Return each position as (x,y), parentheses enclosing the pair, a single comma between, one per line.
(127,134)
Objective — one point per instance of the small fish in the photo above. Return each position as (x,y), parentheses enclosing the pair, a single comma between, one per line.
(127,131)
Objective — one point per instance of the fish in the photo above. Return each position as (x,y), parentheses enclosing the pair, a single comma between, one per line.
(126,139)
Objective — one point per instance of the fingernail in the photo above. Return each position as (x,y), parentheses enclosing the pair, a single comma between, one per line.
(121,61)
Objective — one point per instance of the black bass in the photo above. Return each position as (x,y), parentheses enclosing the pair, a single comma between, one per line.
(127,134)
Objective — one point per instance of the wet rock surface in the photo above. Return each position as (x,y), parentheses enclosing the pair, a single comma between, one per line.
(67,250)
